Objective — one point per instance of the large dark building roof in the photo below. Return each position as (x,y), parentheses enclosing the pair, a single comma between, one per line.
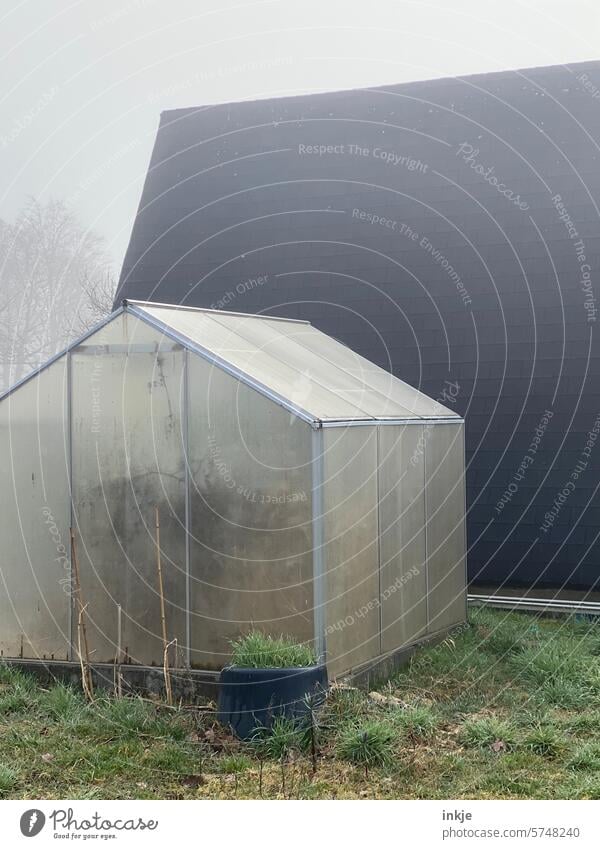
(448,230)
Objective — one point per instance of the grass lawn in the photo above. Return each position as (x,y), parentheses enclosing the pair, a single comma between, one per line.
(509,707)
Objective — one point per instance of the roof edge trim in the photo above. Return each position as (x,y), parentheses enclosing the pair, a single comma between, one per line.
(129,302)
(454,420)
(26,378)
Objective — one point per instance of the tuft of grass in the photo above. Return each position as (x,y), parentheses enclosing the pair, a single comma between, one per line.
(481,733)
(103,762)
(546,741)
(587,722)
(563,691)
(551,661)
(133,716)
(418,723)
(258,651)
(283,737)
(125,717)
(13,676)
(368,744)
(234,764)
(61,702)
(18,691)
(8,779)
(18,698)
(586,757)
(505,641)
(171,757)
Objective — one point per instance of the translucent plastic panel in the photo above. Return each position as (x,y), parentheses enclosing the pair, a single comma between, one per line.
(251,550)
(34,518)
(128,457)
(292,343)
(402,535)
(273,372)
(445,508)
(401,396)
(351,561)
(130,332)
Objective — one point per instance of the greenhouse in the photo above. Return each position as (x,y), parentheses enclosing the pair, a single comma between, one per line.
(189,475)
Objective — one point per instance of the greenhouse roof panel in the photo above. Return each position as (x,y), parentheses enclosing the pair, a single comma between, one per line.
(306,370)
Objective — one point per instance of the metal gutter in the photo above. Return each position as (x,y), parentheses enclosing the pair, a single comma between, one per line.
(415,421)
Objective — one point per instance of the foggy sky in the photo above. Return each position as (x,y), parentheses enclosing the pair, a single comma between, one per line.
(83,83)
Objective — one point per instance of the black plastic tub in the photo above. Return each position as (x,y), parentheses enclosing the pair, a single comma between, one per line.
(252,698)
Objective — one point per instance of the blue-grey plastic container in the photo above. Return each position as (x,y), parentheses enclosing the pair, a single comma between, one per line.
(250,699)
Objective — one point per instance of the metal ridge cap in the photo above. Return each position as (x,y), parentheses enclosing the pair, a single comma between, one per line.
(131,302)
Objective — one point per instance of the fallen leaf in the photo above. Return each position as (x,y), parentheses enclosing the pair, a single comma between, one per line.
(47,757)
(498,746)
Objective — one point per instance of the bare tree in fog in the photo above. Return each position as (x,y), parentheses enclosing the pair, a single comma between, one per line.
(55,282)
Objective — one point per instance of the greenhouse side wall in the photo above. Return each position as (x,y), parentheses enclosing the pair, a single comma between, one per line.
(394,553)
(35,518)
(350,551)
(128,457)
(251,544)
(401,471)
(446,536)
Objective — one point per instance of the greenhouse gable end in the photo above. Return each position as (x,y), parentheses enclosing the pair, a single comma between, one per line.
(299,489)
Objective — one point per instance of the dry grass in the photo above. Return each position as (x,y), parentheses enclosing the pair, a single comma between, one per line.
(507,708)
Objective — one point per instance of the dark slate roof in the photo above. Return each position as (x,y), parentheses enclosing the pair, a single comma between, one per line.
(448,231)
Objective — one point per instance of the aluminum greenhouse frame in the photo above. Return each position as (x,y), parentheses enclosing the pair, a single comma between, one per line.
(300,490)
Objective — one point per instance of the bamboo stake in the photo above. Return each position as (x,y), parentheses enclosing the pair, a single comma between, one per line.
(84,657)
(118,676)
(86,679)
(168,687)
(163,621)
